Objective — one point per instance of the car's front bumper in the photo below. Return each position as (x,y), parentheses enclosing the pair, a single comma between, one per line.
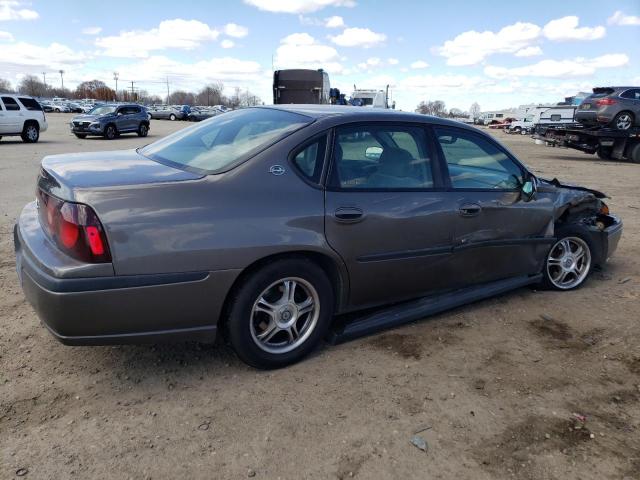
(606,240)
(87,129)
(101,310)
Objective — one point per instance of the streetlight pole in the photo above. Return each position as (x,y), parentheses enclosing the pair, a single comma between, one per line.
(44,79)
(62,78)
(115,77)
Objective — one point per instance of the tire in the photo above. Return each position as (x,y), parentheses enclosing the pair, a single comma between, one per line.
(517,130)
(80,135)
(604,153)
(57,110)
(623,121)
(172,117)
(248,321)
(30,133)
(110,132)
(634,153)
(577,268)
(143,130)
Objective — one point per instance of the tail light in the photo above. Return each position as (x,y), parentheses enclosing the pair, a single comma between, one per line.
(74,227)
(605,102)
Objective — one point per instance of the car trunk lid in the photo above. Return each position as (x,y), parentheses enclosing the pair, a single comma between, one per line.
(64,175)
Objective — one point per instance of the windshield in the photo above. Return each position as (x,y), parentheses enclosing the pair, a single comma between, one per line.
(225,140)
(102,110)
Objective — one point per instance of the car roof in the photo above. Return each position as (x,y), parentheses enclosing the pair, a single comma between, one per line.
(355,114)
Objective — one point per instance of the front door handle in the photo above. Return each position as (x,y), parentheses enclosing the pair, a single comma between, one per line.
(470,210)
(349,214)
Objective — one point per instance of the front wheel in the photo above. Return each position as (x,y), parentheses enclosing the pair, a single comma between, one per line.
(143,130)
(172,117)
(569,260)
(110,132)
(280,313)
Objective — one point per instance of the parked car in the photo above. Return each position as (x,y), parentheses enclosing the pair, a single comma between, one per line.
(21,115)
(75,107)
(46,106)
(110,121)
(267,222)
(166,112)
(199,114)
(59,107)
(616,107)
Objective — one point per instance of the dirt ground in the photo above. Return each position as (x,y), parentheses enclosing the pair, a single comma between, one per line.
(529,385)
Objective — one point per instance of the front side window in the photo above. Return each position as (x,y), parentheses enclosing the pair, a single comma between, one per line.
(556,117)
(381,157)
(475,162)
(310,158)
(224,141)
(10,103)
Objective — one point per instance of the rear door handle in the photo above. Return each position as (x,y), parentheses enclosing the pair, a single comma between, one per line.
(349,214)
(470,209)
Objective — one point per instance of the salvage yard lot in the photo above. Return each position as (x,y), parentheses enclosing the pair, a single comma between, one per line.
(494,387)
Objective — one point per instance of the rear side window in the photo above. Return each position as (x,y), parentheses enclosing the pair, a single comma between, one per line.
(30,103)
(309,159)
(10,103)
(476,163)
(633,94)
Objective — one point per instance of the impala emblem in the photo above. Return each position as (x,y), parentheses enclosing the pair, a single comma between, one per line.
(277,170)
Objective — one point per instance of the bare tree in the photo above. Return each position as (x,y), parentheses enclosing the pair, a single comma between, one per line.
(436,108)
(211,94)
(32,85)
(180,97)
(5,86)
(474,110)
(96,89)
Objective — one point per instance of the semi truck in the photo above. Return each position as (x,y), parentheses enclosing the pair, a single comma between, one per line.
(301,86)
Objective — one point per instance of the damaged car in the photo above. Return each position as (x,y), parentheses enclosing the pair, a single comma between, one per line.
(281,226)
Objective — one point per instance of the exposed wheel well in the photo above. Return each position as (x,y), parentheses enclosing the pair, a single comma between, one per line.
(144,122)
(30,122)
(323,261)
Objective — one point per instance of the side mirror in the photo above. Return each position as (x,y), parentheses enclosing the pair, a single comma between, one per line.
(529,188)
(373,153)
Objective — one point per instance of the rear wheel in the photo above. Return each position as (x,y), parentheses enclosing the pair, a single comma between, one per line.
(634,153)
(623,121)
(80,135)
(110,132)
(172,117)
(569,261)
(30,133)
(143,130)
(280,313)
(604,153)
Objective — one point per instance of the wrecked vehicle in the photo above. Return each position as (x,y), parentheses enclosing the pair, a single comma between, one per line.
(270,223)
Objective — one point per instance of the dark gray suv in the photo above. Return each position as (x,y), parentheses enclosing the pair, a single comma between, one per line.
(109,121)
(617,107)
(266,223)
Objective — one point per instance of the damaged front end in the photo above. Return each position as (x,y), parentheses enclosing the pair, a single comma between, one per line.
(585,208)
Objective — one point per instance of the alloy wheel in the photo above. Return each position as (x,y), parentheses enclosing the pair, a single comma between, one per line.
(284,315)
(624,122)
(32,133)
(568,262)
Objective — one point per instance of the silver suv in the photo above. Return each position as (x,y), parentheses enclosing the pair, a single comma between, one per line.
(21,115)
(109,121)
(617,107)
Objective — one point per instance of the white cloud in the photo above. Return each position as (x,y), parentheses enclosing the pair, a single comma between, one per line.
(11,10)
(334,22)
(176,33)
(300,50)
(298,6)
(5,36)
(529,52)
(358,37)
(418,64)
(91,30)
(226,43)
(566,28)
(620,18)
(393,61)
(578,67)
(373,61)
(235,30)
(471,48)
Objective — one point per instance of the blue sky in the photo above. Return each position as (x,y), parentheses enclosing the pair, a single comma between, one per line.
(499,54)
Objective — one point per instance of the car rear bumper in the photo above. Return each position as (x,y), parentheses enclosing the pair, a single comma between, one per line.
(116,309)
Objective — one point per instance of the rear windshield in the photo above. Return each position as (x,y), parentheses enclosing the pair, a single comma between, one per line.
(601,92)
(226,140)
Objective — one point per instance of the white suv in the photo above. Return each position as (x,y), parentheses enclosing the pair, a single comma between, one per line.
(21,115)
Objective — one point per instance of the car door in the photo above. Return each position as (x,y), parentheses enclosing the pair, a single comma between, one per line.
(385,212)
(12,117)
(631,101)
(125,119)
(4,119)
(497,233)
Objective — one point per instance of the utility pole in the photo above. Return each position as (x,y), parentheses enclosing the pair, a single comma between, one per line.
(62,78)
(167,89)
(132,91)
(115,77)
(44,79)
